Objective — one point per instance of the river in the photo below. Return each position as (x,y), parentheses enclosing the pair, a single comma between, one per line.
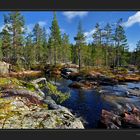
(88,104)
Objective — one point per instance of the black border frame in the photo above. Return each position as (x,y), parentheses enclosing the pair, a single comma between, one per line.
(70,134)
(70,5)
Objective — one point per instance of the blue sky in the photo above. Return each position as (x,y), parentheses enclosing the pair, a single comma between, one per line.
(68,21)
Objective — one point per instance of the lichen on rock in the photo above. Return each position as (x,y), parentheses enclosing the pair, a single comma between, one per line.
(22,108)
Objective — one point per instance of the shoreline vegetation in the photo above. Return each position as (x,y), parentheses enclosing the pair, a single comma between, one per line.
(29,101)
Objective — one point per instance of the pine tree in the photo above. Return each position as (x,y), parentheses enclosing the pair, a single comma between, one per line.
(137,60)
(97,36)
(56,40)
(45,52)
(80,41)
(97,43)
(50,51)
(66,52)
(38,41)
(44,37)
(74,56)
(120,43)
(14,22)
(1,54)
(6,45)
(29,51)
(107,42)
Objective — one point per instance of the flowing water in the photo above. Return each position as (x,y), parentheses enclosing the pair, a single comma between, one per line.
(88,104)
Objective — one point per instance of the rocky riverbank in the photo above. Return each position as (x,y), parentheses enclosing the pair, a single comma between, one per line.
(125,112)
(93,77)
(35,104)
(22,106)
(128,119)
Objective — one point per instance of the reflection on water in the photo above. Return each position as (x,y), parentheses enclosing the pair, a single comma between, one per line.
(83,103)
(86,104)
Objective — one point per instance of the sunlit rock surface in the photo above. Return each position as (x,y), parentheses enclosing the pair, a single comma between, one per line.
(19,113)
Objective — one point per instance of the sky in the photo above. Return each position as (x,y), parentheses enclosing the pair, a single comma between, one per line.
(68,22)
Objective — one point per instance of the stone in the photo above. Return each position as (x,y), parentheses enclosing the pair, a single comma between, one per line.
(22,115)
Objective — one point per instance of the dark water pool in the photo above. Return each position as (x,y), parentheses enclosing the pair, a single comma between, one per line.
(87,104)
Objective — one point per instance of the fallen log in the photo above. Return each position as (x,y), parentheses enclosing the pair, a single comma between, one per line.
(25,73)
(35,83)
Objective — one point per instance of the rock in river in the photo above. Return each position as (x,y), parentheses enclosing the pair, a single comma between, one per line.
(127,119)
(83,85)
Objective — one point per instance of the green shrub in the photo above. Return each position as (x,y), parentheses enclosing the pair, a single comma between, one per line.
(61,97)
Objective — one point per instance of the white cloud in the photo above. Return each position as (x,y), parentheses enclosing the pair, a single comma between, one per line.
(31,26)
(1,28)
(88,35)
(48,31)
(71,15)
(132,20)
(42,23)
(132,46)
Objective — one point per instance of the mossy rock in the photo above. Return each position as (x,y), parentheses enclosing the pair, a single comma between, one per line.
(6,82)
(28,86)
(10,82)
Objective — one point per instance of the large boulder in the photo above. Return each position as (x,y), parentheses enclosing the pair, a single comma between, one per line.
(4,68)
(111,120)
(20,111)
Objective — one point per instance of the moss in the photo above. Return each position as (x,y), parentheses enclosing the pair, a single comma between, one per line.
(4,82)
(29,86)
(96,70)
(45,106)
(58,122)
(11,82)
(41,125)
(121,70)
(41,85)
(6,109)
(16,68)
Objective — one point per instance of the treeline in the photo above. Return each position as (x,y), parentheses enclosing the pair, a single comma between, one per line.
(108,48)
